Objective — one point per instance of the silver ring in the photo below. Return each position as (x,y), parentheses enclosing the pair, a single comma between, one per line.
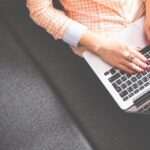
(130,58)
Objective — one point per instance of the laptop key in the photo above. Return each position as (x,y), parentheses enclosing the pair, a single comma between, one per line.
(131,94)
(117,88)
(133,79)
(147,56)
(136,91)
(130,89)
(122,72)
(118,82)
(112,71)
(106,73)
(146,106)
(123,86)
(123,93)
(125,98)
(140,82)
(141,110)
(114,77)
(135,86)
(128,82)
(123,78)
(145,50)
(142,87)
(148,75)
(145,79)
(146,84)
(129,75)
(138,75)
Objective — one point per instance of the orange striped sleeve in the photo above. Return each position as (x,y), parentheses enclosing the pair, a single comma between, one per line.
(45,15)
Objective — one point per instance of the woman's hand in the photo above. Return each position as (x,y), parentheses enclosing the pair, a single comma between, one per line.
(115,52)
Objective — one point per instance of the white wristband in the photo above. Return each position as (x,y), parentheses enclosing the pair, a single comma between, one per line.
(73,33)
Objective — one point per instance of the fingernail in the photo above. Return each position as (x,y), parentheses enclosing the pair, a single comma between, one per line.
(142,71)
(147,68)
(148,62)
(133,73)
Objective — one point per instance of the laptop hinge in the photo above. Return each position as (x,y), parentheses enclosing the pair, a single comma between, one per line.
(142,99)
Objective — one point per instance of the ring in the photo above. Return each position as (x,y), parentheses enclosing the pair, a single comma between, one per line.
(130,58)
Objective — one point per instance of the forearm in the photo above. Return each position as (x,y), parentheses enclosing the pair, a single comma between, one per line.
(114,52)
(55,21)
(92,41)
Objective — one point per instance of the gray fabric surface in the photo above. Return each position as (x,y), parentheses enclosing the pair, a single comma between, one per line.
(94,112)
(32,116)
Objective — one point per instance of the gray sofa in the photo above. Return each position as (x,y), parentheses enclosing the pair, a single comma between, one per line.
(51,100)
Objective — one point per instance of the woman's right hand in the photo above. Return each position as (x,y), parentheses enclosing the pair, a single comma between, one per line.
(116,53)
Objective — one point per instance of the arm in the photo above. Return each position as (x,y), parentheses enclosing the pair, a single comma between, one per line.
(115,52)
(147,20)
(62,27)
(55,21)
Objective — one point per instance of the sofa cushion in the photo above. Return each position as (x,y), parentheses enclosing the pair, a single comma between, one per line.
(32,115)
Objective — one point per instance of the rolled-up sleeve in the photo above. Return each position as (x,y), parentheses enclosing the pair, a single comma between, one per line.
(55,21)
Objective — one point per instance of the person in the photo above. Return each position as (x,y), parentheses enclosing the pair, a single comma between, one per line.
(88,24)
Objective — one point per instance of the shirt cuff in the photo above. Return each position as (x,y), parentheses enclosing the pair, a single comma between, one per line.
(73,33)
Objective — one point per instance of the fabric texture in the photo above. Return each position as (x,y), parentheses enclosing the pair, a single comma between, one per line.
(101,16)
(73,33)
(32,116)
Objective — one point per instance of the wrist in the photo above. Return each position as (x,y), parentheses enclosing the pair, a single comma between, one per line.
(73,33)
(92,41)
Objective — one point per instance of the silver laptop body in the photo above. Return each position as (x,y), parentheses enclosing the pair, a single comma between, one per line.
(131,92)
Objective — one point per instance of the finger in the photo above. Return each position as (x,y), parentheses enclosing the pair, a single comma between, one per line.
(140,56)
(132,66)
(140,63)
(125,68)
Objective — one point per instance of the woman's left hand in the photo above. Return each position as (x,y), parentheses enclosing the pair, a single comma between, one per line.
(147,28)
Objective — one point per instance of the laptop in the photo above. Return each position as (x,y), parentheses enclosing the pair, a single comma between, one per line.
(130,92)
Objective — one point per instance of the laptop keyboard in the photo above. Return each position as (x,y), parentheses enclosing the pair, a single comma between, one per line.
(145,108)
(127,85)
